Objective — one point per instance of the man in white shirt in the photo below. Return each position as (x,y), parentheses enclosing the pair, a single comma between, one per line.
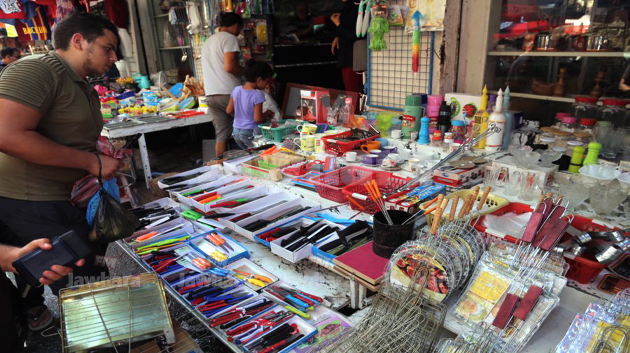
(221,74)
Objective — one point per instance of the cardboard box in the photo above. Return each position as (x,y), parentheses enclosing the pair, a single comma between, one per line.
(401,201)
(238,226)
(246,265)
(448,175)
(189,201)
(460,102)
(206,247)
(209,173)
(544,174)
(263,204)
(306,251)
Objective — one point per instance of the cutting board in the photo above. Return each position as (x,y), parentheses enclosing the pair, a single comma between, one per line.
(363,263)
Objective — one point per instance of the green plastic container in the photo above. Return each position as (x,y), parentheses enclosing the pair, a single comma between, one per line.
(276,134)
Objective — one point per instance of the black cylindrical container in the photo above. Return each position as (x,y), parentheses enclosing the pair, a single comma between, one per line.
(387,238)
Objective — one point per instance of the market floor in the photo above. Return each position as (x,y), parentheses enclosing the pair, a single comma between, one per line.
(165,159)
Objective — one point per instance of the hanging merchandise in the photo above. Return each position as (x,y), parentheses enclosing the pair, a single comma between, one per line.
(417,41)
(433,11)
(118,12)
(177,15)
(495,142)
(397,15)
(364,8)
(64,9)
(11,9)
(379,27)
(262,37)
(195,23)
(170,35)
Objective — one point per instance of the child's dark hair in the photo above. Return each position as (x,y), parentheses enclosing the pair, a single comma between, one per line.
(255,69)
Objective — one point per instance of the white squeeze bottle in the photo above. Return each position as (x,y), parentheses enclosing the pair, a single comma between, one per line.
(494,142)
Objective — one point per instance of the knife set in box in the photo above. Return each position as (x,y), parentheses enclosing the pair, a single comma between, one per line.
(263,324)
(218,248)
(274,216)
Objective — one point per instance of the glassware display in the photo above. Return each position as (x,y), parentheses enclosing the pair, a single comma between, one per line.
(574,191)
(548,156)
(587,125)
(613,111)
(529,188)
(549,141)
(584,108)
(612,143)
(513,183)
(562,137)
(606,198)
(524,156)
(569,124)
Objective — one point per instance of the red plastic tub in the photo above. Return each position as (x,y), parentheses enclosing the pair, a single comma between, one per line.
(386,182)
(331,184)
(583,268)
(335,147)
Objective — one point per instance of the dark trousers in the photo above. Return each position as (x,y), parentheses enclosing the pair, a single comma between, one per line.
(24,221)
(8,334)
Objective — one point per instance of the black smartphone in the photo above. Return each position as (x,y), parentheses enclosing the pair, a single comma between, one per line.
(67,249)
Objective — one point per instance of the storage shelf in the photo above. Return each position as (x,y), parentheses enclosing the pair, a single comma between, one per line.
(538,97)
(599,54)
(175,48)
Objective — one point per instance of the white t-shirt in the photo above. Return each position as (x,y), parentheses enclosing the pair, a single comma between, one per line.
(215,79)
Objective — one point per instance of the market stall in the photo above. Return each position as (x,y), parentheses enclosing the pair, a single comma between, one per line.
(474,207)
(399,220)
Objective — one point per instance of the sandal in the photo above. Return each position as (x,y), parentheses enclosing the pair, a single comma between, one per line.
(38,318)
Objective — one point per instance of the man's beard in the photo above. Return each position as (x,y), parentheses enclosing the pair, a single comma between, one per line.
(88,65)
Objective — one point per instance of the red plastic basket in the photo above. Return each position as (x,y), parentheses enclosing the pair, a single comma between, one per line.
(583,268)
(338,148)
(386,182)
(330,185)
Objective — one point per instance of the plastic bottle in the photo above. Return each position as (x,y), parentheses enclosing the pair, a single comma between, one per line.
(576,159)
(494,142)
(509,119)
(480,122)
(593,153)
(347,113)
(444,118)
(423,136)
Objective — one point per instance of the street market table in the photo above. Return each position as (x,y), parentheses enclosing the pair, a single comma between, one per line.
(148,127)
(340,289)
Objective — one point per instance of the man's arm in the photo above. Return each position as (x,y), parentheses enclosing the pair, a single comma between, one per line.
(623,85)
(19,139)
(231,65)
(8,254)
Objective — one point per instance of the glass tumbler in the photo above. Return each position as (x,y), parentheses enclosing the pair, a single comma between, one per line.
(529,186)
(612,143)
(512,184)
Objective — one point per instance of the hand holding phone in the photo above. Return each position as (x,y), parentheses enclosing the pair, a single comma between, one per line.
(44,261)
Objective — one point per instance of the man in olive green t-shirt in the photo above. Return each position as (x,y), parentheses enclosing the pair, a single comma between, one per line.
(50,121)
